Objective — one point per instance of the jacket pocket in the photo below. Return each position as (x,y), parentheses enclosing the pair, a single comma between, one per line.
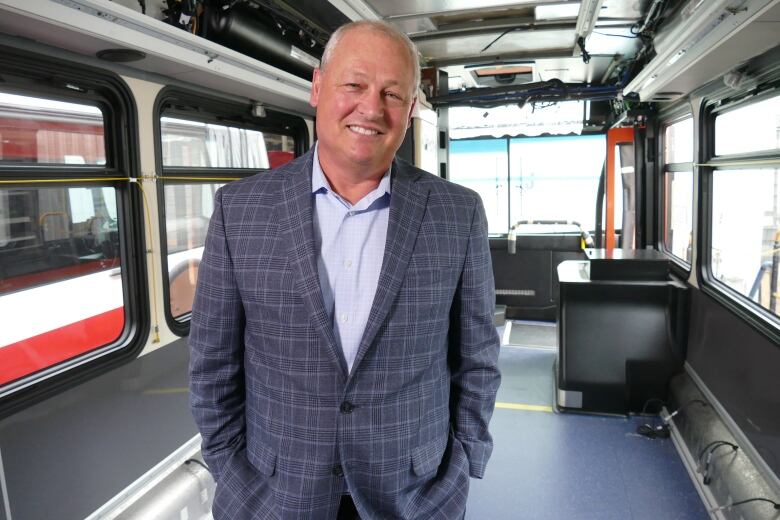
(427,457)
(262,458)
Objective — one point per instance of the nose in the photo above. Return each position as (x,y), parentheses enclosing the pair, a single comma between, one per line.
(372,104)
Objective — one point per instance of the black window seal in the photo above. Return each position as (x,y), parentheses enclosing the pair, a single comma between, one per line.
(40,75)
(755,316)
(184,104)
(678,114)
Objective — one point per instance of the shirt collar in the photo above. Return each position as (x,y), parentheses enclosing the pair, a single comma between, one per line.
(319,183)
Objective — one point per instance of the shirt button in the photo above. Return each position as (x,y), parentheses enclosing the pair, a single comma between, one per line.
(348,263)
(344,318)
(338,470)
(350,213)
(346,407)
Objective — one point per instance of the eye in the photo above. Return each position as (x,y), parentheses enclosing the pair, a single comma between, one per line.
(394,96)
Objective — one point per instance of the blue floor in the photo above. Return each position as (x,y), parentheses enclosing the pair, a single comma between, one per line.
(569,466)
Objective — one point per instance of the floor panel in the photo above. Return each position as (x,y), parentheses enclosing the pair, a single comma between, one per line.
(551,466)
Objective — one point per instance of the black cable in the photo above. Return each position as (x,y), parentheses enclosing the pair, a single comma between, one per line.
(757,499)
(199,463)
(489,45)
(656,431)
(710,445)
(585,55)
(617,35)
(715,445)
(739,503)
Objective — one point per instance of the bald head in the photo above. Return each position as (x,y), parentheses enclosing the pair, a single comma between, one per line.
(377,27)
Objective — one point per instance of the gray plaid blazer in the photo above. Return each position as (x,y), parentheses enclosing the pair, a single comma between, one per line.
(286,429)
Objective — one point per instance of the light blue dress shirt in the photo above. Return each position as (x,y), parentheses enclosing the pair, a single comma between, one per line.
(350,240)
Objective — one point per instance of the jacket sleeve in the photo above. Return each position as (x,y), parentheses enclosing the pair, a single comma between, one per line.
(217,350)
(474,348)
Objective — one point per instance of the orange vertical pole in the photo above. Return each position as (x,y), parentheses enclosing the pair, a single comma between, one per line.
(615,136)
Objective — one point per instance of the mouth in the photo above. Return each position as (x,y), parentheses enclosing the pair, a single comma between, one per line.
(362,130)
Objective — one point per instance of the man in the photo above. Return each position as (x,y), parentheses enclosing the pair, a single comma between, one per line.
(343,348)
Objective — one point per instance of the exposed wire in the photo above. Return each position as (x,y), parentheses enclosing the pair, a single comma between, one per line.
(710,445)
(747,501)
(198,462)
(662,431)
(585,54)
(489,45)
(150,252)
(710,450)
(617,35)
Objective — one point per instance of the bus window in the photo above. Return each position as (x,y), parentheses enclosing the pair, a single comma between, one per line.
(44,131)
(481,164)
(745,239)
(188,208)
(531,178)
(678,189)
(204,145)
(59,276)
(556,178)
(199,154)
(760,118)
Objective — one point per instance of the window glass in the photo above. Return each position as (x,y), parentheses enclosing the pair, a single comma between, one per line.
(745,240)
(678,220)
(678,142)
(188,208)
(557,178)
(678,189)
(44,131)
(60,278)
(481,164)
(204,145)
(751,128)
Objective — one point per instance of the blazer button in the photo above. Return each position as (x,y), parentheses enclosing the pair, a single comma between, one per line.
(338,470)
(346,407)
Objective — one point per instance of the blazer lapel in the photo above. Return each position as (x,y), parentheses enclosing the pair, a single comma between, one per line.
(297,226)
(407,206)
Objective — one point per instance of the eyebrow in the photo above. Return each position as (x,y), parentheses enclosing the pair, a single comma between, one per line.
(361,74)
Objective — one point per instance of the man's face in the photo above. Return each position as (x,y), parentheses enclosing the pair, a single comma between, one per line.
(364,102)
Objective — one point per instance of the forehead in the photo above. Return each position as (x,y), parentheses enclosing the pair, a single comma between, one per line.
(366,46)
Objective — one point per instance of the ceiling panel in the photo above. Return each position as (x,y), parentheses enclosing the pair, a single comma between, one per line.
(413,26)
(630,9)
(557,11)
(513,42)
(607,40)
(391,8)
(571,70)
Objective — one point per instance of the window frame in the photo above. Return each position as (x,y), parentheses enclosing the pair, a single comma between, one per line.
(679,114)
(754,314)
(208,109)
(31,74)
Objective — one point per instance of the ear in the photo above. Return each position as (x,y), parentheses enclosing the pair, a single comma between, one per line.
(411,111)
(316,79)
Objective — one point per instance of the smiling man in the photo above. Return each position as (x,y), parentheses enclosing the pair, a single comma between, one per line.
(343,353)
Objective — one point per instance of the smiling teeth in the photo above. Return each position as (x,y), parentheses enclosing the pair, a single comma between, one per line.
(363,131)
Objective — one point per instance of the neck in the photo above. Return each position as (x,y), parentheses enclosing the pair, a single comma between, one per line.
(351,184)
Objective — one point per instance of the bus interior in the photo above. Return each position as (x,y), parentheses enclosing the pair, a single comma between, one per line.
(627,154)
